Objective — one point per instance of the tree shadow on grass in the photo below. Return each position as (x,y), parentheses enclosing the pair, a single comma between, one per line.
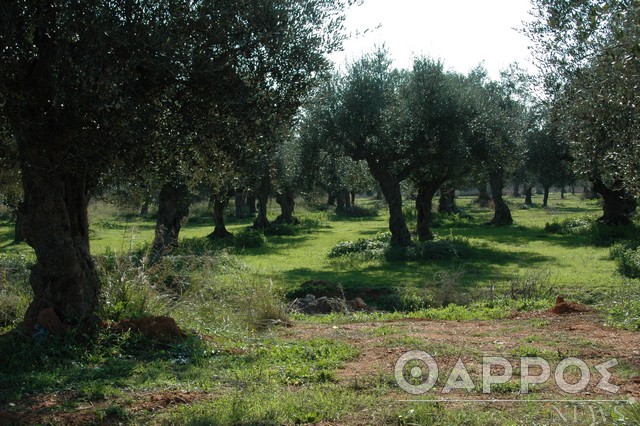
(381,278)
(518,235)
(278,244)
(91,371)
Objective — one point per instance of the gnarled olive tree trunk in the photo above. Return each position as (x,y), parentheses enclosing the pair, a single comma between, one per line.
(262,194)
(483,194)
(390,187)
(173,207)
(528,195)
(286,200)
(55,224)
(220,202)
(502,214)
(424,205)
(447,201)
(618,205)
(545,197)
(251,203)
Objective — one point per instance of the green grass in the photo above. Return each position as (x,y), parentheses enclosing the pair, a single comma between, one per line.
(228,300)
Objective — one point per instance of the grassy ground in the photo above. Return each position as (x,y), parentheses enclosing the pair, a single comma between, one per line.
(236,367)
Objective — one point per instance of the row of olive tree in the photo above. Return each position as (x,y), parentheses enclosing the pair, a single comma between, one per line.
(427,125)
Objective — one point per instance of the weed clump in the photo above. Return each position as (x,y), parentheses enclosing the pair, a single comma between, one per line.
(249,238)
(15,292)
(603,234)
(627,257)
(380,248)
(358,212)
(571,225)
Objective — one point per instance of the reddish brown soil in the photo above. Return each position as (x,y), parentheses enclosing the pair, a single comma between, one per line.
(154,328)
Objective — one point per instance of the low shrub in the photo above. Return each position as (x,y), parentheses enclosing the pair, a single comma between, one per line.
(603,234)
(570,225)
(627,257)
(624,312)
(358,212)
(379,247)
(460,219)
(249,238)
(283,229)
(371,248)
(437,249)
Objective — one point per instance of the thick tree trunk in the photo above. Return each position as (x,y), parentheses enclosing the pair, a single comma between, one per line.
(424,203)
(220,202)
(618,205)
(545,198)
(262,194)
(55,224)
(562,192)
(447,201)
(341,205)
(346,195)
(54,182)
(528,195)
(483,197)
(390,187)
(502,214)
(286,200)
(18,234)
(331,198)
(240,204)
(251,203)
(173,207)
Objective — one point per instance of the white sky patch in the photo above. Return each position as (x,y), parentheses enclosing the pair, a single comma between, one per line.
(462,33)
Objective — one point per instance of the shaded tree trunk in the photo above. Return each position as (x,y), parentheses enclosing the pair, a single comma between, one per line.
(286,200)
(331,198)
(144,209)
(562,192)
(424,205)
(502,214)
(262,194)
(353,198)
(340,202)
(251,203)
(18,234)
(173,207)
(346,195)
(390,187)
(516,189)
(618,205)
(54,181)
(55,223)
(220,202)
(545,197)
(447,201)
(240,204)
(528,195)
(483,197)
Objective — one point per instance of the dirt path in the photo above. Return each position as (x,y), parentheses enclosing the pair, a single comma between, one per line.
(542,333)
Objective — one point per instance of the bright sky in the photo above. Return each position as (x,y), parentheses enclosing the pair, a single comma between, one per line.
(462,33)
